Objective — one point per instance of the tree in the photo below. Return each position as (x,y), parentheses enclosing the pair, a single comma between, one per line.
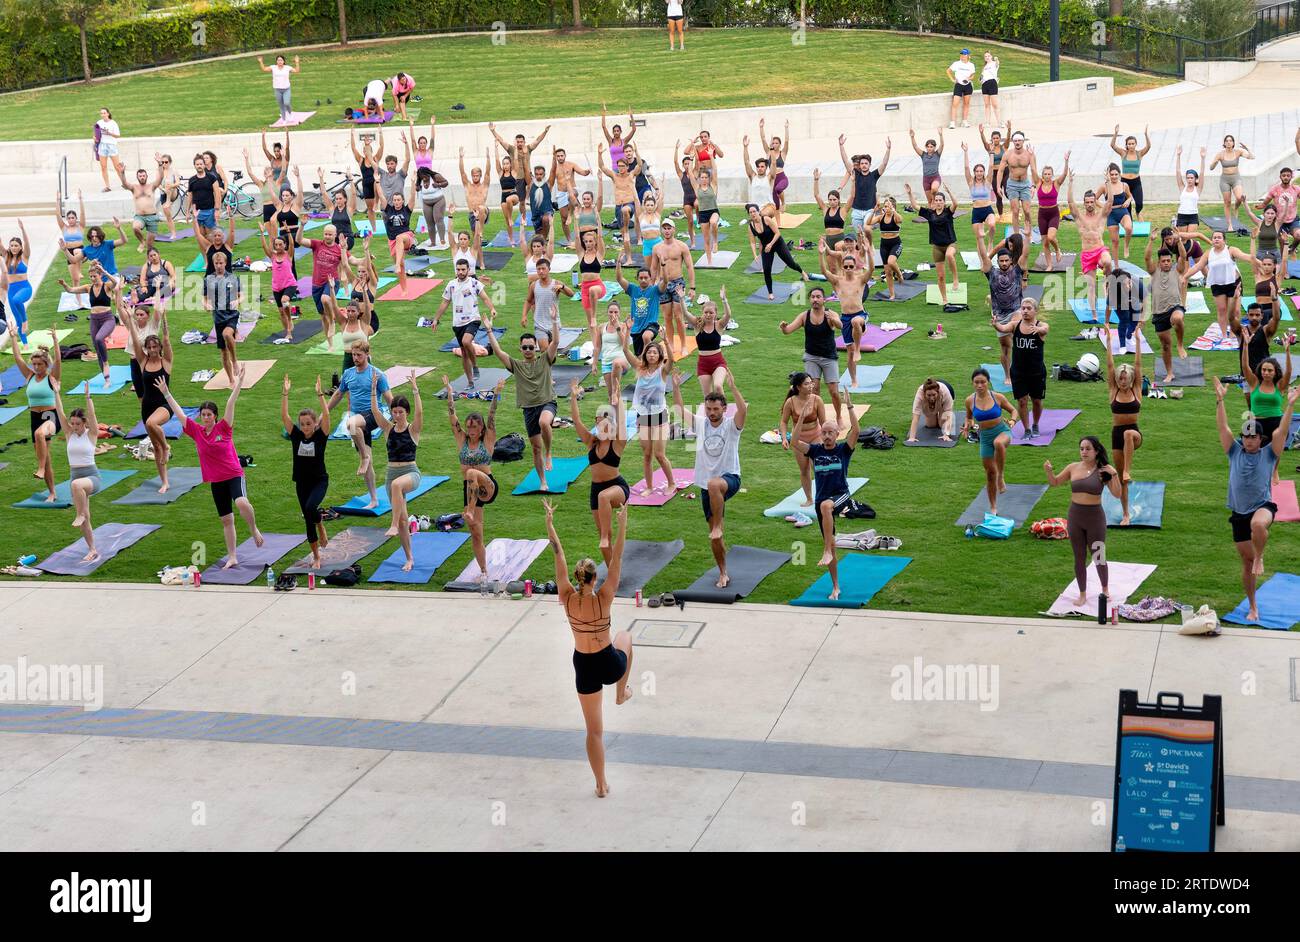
(577,14)
(85,15)
(343,22)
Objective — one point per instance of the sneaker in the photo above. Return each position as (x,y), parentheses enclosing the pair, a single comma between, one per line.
(952,125)
(802,520)
(1034,431)
(965,124)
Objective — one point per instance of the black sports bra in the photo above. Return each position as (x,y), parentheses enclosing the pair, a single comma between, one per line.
(611,457)
(833,222)
(99,297)
(589,268)
(508,185)
(888,229)
(708,342)
(1126,408)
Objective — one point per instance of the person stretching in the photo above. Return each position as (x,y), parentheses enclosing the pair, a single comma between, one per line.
(806,411)
(534,390)
(1268,386)
(767,232)
(1028,370)
(654,370)
(402,475)
(1007,282)
(311,479)
(830,464)
(475,442)
(1125,386)
(81,432)
(609,490)
(1090,221)
(1131,165)
(933,406)
(221,296)
(42,375)
(463,293)
(985,411)
(153,361)
(943,236)
(103,293)
(1086,520)
(1168,288)
(360,421)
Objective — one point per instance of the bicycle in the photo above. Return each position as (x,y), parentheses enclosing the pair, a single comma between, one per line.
(245,198)
(314,202)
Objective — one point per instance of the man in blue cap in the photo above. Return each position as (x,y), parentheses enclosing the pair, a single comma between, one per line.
(960,72)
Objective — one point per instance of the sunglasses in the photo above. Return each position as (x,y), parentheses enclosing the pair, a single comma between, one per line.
(527,348)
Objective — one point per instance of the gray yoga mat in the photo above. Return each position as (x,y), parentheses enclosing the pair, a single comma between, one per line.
(746,565)
(413,265)
(1064,264)
(3,465)
(1035,292)
(781,292)
(642,561)
(1017,503)
(110,539)
(568,335)
(488,377)
(565,375)
(1189,372)
(929,438)
(180,480)
(304,329)
(756,266)
(495,261)
(903,291)
(252,559)
(345,549)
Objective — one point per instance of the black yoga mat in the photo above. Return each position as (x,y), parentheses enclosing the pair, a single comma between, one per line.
(929,438)
(304,329)
(345,548)
(642,561)
(746,565)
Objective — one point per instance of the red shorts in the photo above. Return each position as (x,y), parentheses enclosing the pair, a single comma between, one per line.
(591,292)
(706,363)
(406,238)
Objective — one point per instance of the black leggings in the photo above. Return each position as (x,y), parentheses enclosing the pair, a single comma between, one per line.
(311,494)
(1135,187)
(995,180)
(782,250)
(1087,525)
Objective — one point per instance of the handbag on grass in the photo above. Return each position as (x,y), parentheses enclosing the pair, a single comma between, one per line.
(995,527)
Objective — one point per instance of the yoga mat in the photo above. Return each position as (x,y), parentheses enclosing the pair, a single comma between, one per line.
(35,340)
(488,377)
(499,241)
(356,507)
(117,340)
(429,550)
(3,465)
(345,548)
(254,371)
(612,288)
(680,476)
(322,349)
(186,233)
(564,375)
(302,330)
(642,561)
(564,471)
(568,335)
(1278,601)
(1114,343)
(1066,263)
(1146,503)
(1189,372)
(242,330)
(861,577)
(997,381)
(340,433)
(1293,268)
(860,409)
(1051,422)
(118,376)
(480,338)
(756,266)
(1035,237)
(110,539)
(295,118)
(11,380)
(198,266)
(871,378)
(496,261)
(63,492)
(794,503)
(180,481)
(903,291)
(874,339)
(956,295)
(1017,502)
(929,438)
(1288,511)
(73,302)
(416,288)
(697,244)
(794,220)
(1125,579)
(1216,223)
(781,292)
(399,375)
(1249,299)
(252,559)
(1136,271)
(1083,313)
(721,259)
(507,561)
(1142,229)
(1196,303)
(563,262)
(9,412)
(747,566)
(1035,292)
(972,260)
(345,291)
(413,265)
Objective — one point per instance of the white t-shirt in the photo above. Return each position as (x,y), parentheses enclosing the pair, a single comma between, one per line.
(280,76)
(717,449)
(109,127)
(469,256)
(674,7)
(375,91)
(963,71)
(760,191)
(989,72)
(463,296)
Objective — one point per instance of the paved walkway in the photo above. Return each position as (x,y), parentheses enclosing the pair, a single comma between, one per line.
(360,720)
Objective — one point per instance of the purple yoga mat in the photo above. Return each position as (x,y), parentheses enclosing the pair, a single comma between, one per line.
(873,338)
(1052,421)
(110,539)
(186,233)
(252,559)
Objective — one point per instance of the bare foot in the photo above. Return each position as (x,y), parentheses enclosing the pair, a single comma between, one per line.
(1127,478)
(408,565)
(643,491)
(52,498)
(1169,380)
(624,695)
(807,503)
(316,562)
(391,531)
(364,466)
(258,539)
(1125,521)
(1252,615)
(715,532)
(724,580)
(1002,485)
(835,594)
(826,559)
(548,463)
(1182,352)
(993,509)
(231,563)
(602,789)
(90,557)
(373,502)
(1082,599)
(164,488)
(1259,566)
(78,520)
(604,542)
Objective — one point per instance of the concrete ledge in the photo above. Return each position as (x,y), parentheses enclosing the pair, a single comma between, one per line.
(1217,72)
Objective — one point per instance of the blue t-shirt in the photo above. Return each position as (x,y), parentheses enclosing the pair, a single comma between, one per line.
(102,253)
(1250,477)
(830,470)
(645,306)
(357,385)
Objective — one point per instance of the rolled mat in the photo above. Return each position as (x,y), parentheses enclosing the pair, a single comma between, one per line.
(1124,578)
(345,548)
(956,295)
(180,481)
(781,291)
(1017,502)
(118,377)
(429,550)
(110,539)
(747,566)
(642,561)
(564,471)
(871,378)
(507,561)
(356,507)
(860,577)
(1278,601)
(253,559)
(903,291)
(929,438)
(794,503)
(1146,504)
(63,492)
(304,329)
(1049,423)
(658,499)
(1288,510)
(171,428)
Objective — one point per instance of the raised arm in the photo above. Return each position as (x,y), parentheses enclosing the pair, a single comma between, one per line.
(1281,432)
(557,549)
(742,407)
(609,587)
(1226,438)
(285,421)
(234,396)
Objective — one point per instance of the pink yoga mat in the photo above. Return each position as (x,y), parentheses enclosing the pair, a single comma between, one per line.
(397,375)
(241,332)
(1288,510)
(680,475)
(873,338)
(1052,421)
(295,118)
(1125,579)
(415,288)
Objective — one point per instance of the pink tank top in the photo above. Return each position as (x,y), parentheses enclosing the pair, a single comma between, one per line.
(424,160)
(282,273)
(1047,198)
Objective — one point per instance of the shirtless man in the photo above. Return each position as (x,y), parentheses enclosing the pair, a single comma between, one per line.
(624,198)
(145,193)
(1092,226)
(476,189)
(666,266)
(1019,187)
(562,183)
(849,285)
(1169,273)
(520,153)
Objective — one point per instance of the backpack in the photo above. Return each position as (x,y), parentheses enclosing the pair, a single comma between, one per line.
(509,448)
(995,527)
(856,510)
(875,437)
(1067,371)
(345,578)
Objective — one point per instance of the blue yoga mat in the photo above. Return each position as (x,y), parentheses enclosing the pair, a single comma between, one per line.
(861,577)
(63,492)
(171,428)
(1278,601)
(564,471)
(345,291)
(430,550)
(611,288)
(340,433)
(118,376)
(1084,313)
(11,380)
(356,507)
(997,378)
(480,338)
(1248,299)
(1146,504)
(9,412)
(871,379)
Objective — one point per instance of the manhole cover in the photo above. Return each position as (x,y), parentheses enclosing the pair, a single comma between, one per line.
(665,634)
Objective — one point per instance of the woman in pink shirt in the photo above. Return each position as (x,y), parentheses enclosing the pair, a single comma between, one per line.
(284,285)
(403,85)
(219,464)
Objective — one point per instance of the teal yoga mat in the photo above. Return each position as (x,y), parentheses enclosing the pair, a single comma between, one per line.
(997,379)
(871,379)
(1146,504)
(118,377)
(64,492)
(861,577)
(356,507)
(564,471)
(430,550)
(1278,600)
(792,504)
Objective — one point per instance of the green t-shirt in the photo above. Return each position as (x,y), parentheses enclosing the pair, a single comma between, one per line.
(533,385)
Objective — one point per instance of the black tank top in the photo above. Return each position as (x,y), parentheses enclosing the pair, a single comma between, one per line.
(708,342)
(342,222)
(150,396)
(287,221)
(401,446)
(1027,354)
(764,235)
(99,297)
(367,174)
(833,222)
(818,339)
(152,280)
(589,268)
(688,189)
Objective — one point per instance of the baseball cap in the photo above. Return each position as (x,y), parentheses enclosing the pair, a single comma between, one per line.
(965,52)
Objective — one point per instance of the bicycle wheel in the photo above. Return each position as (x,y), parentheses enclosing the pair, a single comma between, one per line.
(183,207)
(248,198)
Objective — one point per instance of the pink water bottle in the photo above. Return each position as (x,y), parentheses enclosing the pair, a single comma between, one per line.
(528,588)
(414,524)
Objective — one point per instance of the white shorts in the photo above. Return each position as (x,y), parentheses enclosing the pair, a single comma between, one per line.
(561,199)
(108,147)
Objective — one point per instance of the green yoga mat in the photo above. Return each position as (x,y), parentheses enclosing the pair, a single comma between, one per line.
(38,339)
(200,264)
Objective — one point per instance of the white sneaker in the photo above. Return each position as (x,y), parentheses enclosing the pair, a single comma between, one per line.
(965,124)
(952,125)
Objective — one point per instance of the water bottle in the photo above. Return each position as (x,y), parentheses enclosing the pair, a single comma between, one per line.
(970,532)
(1120,847)
(270,577)
(28,560)
(483,588)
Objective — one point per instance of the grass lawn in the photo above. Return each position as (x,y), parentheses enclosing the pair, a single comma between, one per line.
(532,75)
(918,493)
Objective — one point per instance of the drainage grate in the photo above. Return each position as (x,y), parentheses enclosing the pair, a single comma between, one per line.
(653,633)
